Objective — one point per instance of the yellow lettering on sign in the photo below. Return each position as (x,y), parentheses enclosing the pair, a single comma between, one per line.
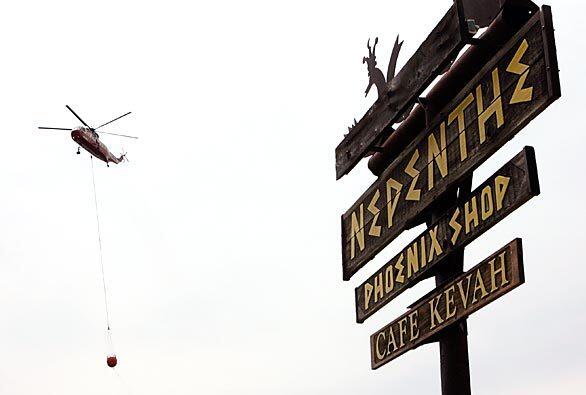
(392,342)
(400,278)
(402,331)
(367,295)
(374,228)
(496,108)
(455,225)
(436,248)
(470,214)
(501,184)
(423,251)
(478,286)
(458,114)
(389,279)
(413,194)
(436,153)
(357,232)
(380,355)
(412,260)
(486,207)
(435,315)
(501,270)
(450,304)
(378,287)
(464,296)
(521,94)
(413,325)
(392,185)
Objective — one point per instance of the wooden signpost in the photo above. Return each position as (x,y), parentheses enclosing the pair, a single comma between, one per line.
(492,278)
(429,180)
(511,90)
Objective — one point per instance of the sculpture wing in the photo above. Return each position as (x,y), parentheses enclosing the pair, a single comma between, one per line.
(393,61)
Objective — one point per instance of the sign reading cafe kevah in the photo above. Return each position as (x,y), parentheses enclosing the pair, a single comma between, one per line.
(504,96)
(486,282)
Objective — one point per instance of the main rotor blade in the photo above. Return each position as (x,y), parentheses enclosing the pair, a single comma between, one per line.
(115,119)
(45,128)
(120,135)
(77,116)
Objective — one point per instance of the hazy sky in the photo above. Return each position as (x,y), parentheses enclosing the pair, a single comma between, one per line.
(221,236)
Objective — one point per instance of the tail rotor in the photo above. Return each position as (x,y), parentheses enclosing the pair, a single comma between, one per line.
(123,157)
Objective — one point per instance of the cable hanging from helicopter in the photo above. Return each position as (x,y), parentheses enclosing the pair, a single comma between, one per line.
(88,138)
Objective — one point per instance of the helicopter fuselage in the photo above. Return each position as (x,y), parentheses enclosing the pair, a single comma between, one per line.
(90,141)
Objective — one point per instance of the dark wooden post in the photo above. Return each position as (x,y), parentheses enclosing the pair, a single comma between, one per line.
(454,364)
(453,342)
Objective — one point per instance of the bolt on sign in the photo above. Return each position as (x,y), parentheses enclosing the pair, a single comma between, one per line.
(517,85)
(459,298)
(501,194)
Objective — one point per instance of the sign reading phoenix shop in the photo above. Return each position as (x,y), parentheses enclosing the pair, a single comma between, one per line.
(511,90)
(501,194)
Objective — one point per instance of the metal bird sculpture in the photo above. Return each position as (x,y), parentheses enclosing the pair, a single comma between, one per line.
(375,75)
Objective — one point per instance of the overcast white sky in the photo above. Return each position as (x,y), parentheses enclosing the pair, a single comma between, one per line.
(221,235)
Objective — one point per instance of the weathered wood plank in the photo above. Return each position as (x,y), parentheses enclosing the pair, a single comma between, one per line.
(492,278)
(551,61)
(430,59)
(504,97)
(501,194)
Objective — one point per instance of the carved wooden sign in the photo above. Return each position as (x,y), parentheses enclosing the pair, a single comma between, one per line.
(501,194)
(489,280)
(511,90)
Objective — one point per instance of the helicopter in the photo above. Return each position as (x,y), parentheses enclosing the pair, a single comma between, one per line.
(87,138)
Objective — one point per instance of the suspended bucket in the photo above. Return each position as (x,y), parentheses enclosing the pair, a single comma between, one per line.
(112,361)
